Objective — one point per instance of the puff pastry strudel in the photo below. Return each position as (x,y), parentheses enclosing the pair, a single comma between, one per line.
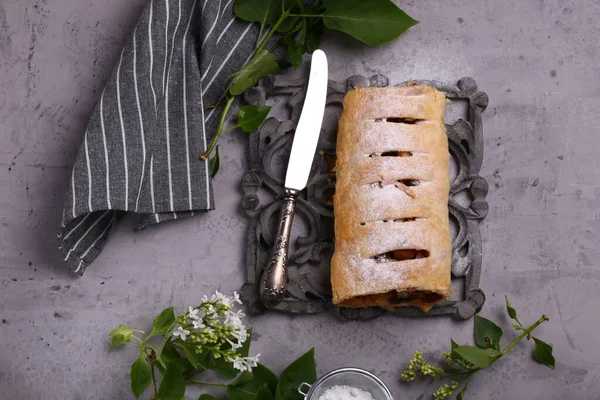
(393,245)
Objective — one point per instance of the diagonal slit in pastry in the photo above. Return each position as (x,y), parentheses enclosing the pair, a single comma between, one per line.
(393,153)
(401,255)
(402,120)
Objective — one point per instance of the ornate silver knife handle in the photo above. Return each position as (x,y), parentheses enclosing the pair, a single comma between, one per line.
(274,278)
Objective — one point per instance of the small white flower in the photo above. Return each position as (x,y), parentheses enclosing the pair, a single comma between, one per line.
(210,309)
(193,313)
(239,364)
(204,299)
(234,346)
(252,362)
(218,296)
(240,334)
(198,324)
(233,320)
(182,333)
(236,298)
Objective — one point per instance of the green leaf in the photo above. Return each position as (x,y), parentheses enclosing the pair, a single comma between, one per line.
(312,40)
(295,49)
(479,357)
(172,386)
(373,22)
(197,360)
(159,366)
(512,313)
(287,24)
(119,336)
(159,351)
(250,117)
(206,397)
(487,333)
(453,347)
(301,370)
(215,163)
(543,353)
(263,63)
(248,384)
(164,321)
(225,367)
(266,12)
(263,393)
(141,375)
(116,341)
(171,357)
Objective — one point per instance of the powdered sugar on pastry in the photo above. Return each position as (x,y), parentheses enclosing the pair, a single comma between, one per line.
(393,243)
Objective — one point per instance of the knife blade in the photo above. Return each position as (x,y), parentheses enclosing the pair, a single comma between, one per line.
(308,129)
(274,278)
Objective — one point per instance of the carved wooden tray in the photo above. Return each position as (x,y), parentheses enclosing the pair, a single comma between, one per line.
(309,290)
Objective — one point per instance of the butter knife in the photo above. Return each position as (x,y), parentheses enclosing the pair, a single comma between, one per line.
(274,278)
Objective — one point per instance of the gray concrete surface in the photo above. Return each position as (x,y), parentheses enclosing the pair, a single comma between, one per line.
(538,61)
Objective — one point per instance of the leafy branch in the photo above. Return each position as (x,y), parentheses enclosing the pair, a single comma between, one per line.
(210,336)
(464,361)
(300,27)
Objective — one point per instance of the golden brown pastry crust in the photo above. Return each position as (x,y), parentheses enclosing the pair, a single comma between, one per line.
(387,203)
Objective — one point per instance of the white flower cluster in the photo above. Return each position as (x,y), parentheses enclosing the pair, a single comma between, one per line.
(215,324)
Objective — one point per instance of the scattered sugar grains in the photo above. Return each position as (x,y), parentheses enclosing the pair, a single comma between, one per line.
(343,392)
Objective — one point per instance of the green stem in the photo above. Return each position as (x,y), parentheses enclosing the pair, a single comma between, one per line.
(262,27)
(154,389)
(526,332)
(206,384)
(272,31)
(277,43)
(228,104)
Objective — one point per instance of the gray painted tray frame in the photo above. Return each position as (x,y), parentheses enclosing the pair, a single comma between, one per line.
(309,290)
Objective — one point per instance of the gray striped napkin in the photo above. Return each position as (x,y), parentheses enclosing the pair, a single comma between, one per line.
(140,150)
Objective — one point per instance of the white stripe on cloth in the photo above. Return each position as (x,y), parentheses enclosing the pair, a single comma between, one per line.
(142,135)
(89,171)
(212,27)
(152,183)
(185,119)
(227,58)
(225,30)
(167,132)
(109,225)
(126,208)
(206,72)
(225,8)
(73,189)
(210,114)
(203,7)
(206,163)
(166,46)
(105,151)
(85,234)
(76,226)
(79,266)
(63,222)
(151,54)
